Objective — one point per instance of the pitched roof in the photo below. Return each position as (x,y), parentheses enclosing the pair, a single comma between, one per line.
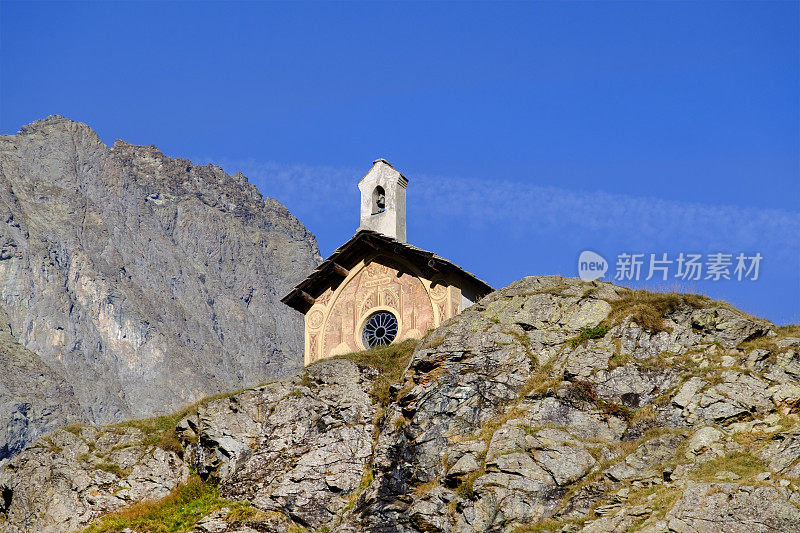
(365,242)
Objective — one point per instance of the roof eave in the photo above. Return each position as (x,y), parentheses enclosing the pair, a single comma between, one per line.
(297,301)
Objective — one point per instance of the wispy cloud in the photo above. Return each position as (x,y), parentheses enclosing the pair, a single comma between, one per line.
(317,194)
(551,209)
(505,229)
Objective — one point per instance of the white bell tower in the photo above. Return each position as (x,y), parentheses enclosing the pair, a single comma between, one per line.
(383,200)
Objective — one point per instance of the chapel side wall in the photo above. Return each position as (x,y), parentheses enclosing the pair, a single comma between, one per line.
(334,323)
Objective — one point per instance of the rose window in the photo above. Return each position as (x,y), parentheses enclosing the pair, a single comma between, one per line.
(380,329)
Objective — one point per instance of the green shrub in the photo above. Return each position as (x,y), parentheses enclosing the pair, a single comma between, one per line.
(584,391)
(597,332)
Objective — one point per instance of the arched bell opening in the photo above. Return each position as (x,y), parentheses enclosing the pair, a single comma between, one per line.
(378,200)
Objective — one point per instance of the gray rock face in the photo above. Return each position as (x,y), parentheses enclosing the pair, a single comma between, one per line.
(64,480)
(512,415)
(305,448)
(729,507)
(34,399)
(140,281)
(507,418)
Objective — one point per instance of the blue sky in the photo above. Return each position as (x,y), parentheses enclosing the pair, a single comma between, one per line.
(529,131)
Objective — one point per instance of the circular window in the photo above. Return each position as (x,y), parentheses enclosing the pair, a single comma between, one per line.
(380,329)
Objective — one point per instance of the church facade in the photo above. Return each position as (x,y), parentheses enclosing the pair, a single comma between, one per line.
(377,289)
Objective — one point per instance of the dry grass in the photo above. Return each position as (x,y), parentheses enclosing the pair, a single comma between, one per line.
(792,330)
(761,343)
(542,382)
(619,359)
(647,413)
(658,497)
(554,526)
(618,452)
(401,423)
(424,488)
(648,309)
(556,290)
(390,362)
(366,481)
(75,429)
(524,340)
(160,430)
(669,361)
(113,468)
(743,464)
(47,443)
(768,343)
(753,440)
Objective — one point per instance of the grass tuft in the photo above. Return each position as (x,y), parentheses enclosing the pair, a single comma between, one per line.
(160,430)
(465,488)
(619,359)
(177,512)
(47,443)
(791,330)
(743,464)
(113,468)
(542,382)
(390,362)
(648,309)
(75,429)
(548,525)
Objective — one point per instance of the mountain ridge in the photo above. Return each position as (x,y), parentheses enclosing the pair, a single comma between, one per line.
(125,271)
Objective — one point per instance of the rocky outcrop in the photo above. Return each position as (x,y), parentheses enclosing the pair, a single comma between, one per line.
(302,452)
(67,478)
(138,283)
(545,406)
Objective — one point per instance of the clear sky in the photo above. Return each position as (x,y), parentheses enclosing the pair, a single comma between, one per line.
(529,131)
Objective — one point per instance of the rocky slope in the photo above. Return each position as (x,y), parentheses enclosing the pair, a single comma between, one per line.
(550,405)
(132,283)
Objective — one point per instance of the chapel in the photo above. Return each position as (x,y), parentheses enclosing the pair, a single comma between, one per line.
(376,288)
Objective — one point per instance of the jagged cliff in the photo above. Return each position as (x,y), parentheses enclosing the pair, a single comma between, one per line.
(132,283)
(550,405)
